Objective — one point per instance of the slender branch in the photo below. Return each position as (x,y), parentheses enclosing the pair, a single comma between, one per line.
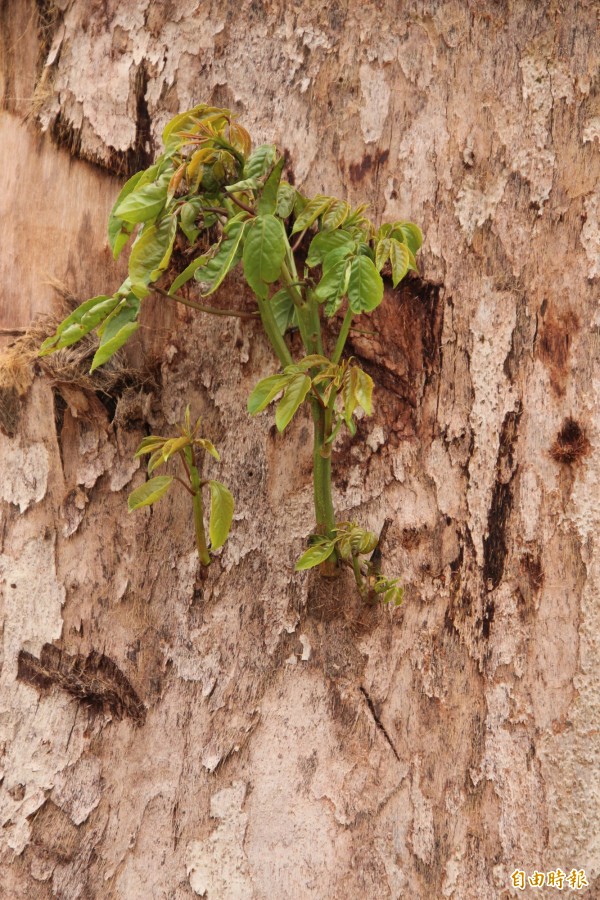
(241,205)
(299,241)
(182,482)
(212,310)
(181,455)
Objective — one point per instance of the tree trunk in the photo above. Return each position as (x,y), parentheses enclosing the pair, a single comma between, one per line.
(253,732)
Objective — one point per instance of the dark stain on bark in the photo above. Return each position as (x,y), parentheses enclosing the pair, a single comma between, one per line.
(554,345)
(571,443)
(94,679)
(494,546)
(359,170)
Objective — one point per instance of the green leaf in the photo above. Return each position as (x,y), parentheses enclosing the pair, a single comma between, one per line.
(227,256)
(294,394)
(333,284)
(311,212)
(410,234)
(118,231)
(315,555)
(79,323)
(156,460)
(152,250)
(365,288)
(173,446)
(149,492)
(400,257)
(116,330)
(325,242)
(267,201)
(187,220)
(207,445)
(382,253)
(363,389)
(187,273)
(221,514)
(260,161)
(283,309)
(264,252)
(144,203)
(311,362)
(265,391)
(286,198)
(149,445)
(336,215)
(248,184)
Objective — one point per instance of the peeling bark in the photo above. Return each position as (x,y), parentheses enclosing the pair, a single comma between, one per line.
(297,743)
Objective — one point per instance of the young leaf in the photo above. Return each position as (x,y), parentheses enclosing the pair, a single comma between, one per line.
(149,445)
(382,253)
(365,288)
(207,445)
(315,555)
(265,391)
(400,260)
(187,273)
(410,233)
(221,514)
(311,212)
(152,250)
(144,203)
(294,394)
(336,215)
(264,252)
(362,388)
(149,492)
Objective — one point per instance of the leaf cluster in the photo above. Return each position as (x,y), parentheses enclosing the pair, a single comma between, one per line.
(350,542)
(232,207)
(160,450)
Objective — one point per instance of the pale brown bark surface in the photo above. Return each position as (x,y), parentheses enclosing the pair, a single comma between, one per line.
(264,734)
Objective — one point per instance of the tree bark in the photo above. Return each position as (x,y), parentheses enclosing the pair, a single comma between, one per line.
(251,732)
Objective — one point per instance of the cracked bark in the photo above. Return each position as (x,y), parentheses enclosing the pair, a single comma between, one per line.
(262,766)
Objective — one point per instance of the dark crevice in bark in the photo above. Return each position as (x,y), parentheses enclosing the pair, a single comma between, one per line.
(495,547)
(378,722)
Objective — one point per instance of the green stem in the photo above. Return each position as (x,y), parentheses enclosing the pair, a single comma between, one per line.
(324,512)
(198,510)
(275,337)
(199,524)
(342,337)
(315,322)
